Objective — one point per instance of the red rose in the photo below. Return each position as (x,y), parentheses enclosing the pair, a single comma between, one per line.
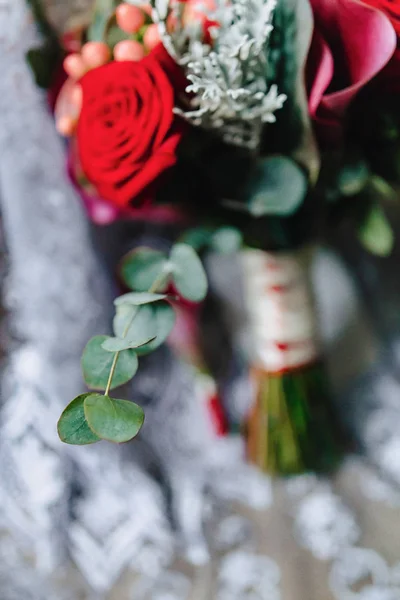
(352,43)
(127,132)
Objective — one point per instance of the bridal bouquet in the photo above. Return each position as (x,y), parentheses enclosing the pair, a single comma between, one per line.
(255,125)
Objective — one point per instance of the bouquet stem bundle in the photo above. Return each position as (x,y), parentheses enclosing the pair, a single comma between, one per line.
(292,427)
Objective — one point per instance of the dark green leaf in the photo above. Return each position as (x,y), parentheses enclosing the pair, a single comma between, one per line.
(142,267)
(353,178)
(139,298)
(113,420)
(375,233)
(198,238)
(46,59)
(188,273)
(381,189)
(97,363)
(278,187)
(227,240)
(73,428)
(43,62)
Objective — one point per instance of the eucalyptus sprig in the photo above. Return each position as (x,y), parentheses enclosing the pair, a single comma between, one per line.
(143,320)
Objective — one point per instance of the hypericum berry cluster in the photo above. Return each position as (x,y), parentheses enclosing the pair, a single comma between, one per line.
(130,19)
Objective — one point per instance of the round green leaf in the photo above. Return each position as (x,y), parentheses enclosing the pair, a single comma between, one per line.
(134,323)
(155,321)
(121,344)
(198,237)
(278,187)
(142,267)
(188,273)
(139,298)
(97,363)
(124,318)
(72,426)
(113,420)
(227,240)
(163,318)
(353,178)
(375,233)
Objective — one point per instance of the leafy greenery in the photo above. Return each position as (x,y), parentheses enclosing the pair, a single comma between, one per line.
(163,317)
(72,426)
(187,273)
(143,320)
(227,240)
(97,363)
(224,240)
(46,58)
(113,420)
(156,320)
(278,187)
(375,232)
(142,267)
(103,13)
(139,299)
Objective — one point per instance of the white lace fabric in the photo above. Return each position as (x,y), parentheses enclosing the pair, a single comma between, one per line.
(56,296)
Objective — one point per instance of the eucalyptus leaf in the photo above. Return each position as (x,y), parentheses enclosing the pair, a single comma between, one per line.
(113,420)
(382,189)
(134,323)
(227,240)
(142,267)
(120,344)
(72,426)
(156,320)
(198,238)
(139,298)
(103,11)
(353,178)
(278,187)
(97,363)
(375,233)
(164,317)
(188,273)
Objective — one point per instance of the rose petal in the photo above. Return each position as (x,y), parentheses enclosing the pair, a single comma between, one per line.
(392,10)
(125,140)
(336,20)
(320,71)
(358,38)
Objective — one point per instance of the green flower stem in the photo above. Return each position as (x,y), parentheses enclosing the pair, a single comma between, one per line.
(158,283)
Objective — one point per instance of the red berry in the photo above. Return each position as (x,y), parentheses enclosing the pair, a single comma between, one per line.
(152,37)
(65,126)
(128,50)
(129,18)
(74,66)
(95,54)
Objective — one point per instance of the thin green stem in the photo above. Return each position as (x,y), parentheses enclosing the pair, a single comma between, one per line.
(158,283)
(112,373)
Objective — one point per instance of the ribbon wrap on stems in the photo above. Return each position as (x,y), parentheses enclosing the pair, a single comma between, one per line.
(291,427)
